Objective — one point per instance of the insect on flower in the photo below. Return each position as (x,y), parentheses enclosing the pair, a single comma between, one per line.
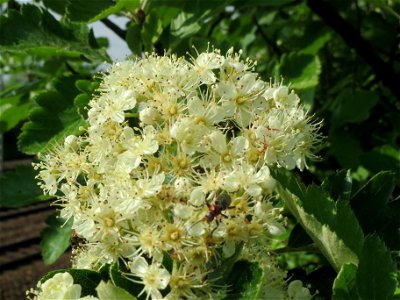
(215,210)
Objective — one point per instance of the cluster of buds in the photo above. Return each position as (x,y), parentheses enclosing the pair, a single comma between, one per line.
(176,161)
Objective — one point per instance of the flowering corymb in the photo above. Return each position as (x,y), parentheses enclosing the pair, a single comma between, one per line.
(174,147)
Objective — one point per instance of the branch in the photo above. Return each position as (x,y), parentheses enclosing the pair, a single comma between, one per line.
(111,25)
(354,40)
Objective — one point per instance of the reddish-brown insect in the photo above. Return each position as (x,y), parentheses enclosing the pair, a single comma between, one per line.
(215,210)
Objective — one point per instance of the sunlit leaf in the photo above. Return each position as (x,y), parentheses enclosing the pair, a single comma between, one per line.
(300,70)
(344,287)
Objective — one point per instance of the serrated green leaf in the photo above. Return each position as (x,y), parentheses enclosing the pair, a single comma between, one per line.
(92,11)
(354,107)
(36,31)
(54,119)
(19,188)
(301,70)
(376,271)
(108,291)
(333,228)
(375,210)
(88,279)
(244,281)
(55,238)
(344,286)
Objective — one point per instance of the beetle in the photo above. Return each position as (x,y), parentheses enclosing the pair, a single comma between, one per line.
(215,210)
(222,202)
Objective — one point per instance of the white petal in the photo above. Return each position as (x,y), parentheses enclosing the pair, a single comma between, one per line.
(197,196)
(139,266)
(218,141)
(239,144)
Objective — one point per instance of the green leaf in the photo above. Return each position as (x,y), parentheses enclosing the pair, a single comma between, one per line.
(354,107)
(91,11)
(19,188)
(55,238)
(376,211)
(385,157)
(260,3)
(344,286)
(339,185)
(107,291)
(376,271)
(13,110)
(88,88)
(54,119)
(133,38)
(185,24)
(58,6)
(345,147)
(300,70)
(333,227)
(245,280)
(116,271)
(298,237)
(88,279)
(151,31)
(36,31)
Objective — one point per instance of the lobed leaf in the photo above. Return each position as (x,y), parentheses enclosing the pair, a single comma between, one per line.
(333,227)
(54,119)
(36,31)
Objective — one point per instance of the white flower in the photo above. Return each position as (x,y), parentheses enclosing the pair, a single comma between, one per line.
(60,286)
(152,277)
(296,291)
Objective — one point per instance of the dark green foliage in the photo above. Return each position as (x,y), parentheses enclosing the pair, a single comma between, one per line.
(244,281)
(15,194)
(55,238)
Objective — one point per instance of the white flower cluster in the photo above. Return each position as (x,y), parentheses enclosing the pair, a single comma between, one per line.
(176,162)
(61,287)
